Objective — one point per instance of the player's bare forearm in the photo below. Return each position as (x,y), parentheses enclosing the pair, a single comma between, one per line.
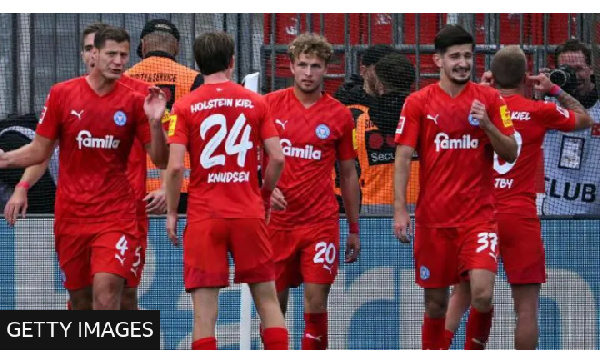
(173,177)
(505,146)
(173,181)
(34,173)
(401,175)
(273,173)
(158,148)
(275,164)
(161,176)
(350,189)
(569,102)
(33,153)
(584,120)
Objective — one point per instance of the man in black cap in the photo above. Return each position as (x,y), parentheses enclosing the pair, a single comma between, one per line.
(158,49)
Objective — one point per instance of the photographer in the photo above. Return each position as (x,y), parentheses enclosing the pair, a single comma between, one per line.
(570,158)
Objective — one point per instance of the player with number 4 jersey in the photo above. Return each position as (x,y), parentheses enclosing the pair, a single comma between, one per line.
(222,125)
(96,120)
(520,242)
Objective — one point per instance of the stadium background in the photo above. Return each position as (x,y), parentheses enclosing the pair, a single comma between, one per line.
(374,304)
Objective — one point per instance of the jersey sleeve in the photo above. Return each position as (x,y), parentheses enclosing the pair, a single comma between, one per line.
(50,117)
(407,131)
(345,145)
(178,129)
(554,117)
(266,123)
(142,126)
(500,114)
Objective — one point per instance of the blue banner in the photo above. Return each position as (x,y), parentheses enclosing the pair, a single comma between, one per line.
(374,303)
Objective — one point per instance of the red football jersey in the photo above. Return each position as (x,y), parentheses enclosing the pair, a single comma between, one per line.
(312,138)
(222,125)
(95,135)
(456,158)
(136,168)
(515,183)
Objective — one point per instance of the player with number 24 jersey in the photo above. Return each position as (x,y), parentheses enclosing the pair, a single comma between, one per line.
(222,125)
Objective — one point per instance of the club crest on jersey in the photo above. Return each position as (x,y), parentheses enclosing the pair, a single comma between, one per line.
(473,121)
(424,273)
(322,131)
(120,118)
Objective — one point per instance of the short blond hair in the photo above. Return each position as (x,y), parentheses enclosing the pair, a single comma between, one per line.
(509,67)
(310,43)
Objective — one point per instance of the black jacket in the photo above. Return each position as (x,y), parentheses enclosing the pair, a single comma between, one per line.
(15,132)
(385,111)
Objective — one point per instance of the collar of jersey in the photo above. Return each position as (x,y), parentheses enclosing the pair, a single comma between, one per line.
(300,105)
(464,90)
(90,90)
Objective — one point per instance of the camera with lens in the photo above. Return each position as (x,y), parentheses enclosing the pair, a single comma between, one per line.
(564,76)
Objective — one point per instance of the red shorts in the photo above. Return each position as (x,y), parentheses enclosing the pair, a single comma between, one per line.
(87,248)
(308,254)
(522,249)
(444,256)
(206,244)
(140,253)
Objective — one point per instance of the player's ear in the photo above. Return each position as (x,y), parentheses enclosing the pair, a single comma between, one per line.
(437,59)
(292,66)
(361,70)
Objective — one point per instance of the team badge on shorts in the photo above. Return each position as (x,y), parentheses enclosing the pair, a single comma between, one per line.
(424,273)
(473,121)
(322,131)
(120,118)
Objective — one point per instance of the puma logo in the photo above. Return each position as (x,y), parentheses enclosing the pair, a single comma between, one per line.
(121,259)
(78,114)
(478,342)
(280,123)
(328,268)
(434,119)
(310,336)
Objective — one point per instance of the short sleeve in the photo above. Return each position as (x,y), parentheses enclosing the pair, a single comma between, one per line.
(50,117)
(407,132)
(178,130)
(345,146)
(554,117)
(500,114)
(266,123)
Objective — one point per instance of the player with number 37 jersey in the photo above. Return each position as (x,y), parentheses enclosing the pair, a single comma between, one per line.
(519,229)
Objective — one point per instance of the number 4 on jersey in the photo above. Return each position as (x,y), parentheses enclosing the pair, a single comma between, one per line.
(207,160)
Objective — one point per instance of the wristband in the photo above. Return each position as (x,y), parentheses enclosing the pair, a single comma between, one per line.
(25,185)
(353,228)
(555,91)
